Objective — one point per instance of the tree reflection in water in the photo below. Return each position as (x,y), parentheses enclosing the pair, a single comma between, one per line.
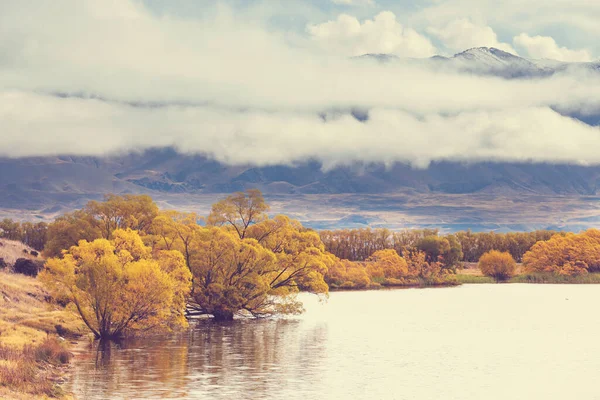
(242,358)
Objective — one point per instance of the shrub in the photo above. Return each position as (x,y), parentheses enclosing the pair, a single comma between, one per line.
(27,267)
(500,266)
(3,264)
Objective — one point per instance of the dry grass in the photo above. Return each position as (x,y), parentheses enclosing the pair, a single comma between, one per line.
(28,345)
(25,315)
(11,250)
(34,370)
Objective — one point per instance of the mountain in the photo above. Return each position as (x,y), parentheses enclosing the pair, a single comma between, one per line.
(482,195)
(27,180)
(492,61)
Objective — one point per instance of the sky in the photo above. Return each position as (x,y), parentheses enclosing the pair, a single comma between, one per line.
(276,82)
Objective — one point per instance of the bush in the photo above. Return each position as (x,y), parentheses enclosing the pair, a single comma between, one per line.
(500,266)
(27,267)
(3,264)
(51,351)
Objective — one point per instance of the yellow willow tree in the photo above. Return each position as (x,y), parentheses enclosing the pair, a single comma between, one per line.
(239,211)
(237,276)
(175,230)
(119,287)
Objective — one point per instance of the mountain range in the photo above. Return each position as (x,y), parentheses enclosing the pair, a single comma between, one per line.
(47,186)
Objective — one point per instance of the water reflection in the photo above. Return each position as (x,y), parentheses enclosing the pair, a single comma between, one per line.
(470,343)
(215,359)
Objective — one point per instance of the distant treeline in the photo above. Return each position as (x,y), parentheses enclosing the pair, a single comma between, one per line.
(360,244)
(32,234)
(347,244)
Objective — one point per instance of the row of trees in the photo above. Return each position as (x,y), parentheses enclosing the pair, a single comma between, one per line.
(32,234)
(563,254)
(360,244)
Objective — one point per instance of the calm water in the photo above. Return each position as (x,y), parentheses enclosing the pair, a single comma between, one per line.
(471,342)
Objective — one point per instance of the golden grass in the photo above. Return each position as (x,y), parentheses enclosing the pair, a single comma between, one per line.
(28,345)
(25,315)
(11,250)
(34,370)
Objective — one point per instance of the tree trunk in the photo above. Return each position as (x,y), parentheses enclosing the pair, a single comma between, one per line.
(223,315)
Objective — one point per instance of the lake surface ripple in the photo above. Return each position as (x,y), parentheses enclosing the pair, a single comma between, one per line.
(510,341)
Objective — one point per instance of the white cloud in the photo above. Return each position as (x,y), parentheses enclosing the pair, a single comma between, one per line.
(570,20)
(546,47)
(359,3)
(382,34)
(75,126)
(247,94)
(461,34)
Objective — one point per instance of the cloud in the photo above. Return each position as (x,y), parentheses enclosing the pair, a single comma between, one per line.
(546,47)
(383,34)
(570,21)
(359,3)
(75,125)
(235,89)
(461,34)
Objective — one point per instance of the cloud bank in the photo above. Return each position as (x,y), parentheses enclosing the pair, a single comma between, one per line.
(242,93)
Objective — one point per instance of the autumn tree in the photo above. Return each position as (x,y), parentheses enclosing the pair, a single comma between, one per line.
(346,274)
(174,230)
(569,254)
(67,230)
(119,287)
(239,211)
(499,265)
(386,265)
(234,275)
(99,220)
(10,229)
(122,212)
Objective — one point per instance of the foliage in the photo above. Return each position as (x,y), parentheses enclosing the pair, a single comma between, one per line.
(134,212)
(347,275)
(27,267)
(240,210)
(119,287)
(99,220)
(474,245)
(570,254)
(33,235)
(499,265)
(386,264)
(234,274)
(359,244)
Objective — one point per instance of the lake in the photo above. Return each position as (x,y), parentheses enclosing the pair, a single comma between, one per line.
(509,341)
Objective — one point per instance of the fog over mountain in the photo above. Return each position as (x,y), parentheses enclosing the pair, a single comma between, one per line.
(357,98)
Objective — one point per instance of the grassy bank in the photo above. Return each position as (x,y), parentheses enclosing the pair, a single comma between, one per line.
(592,278)
(32,358)
(467,278)
(548,278)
